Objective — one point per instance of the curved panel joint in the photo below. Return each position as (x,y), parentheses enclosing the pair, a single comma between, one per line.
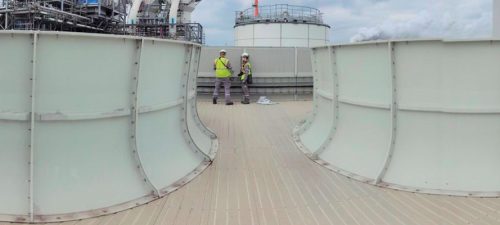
(135,116)
(335,97)
(31,130)
(189,57)
(394,114)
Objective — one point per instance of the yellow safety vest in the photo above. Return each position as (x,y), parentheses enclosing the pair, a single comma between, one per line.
(221,71)
(243,70)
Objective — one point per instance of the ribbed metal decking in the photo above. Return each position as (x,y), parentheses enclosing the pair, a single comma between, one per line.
(261,178)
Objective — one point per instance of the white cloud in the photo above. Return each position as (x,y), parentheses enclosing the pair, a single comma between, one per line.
(446,19)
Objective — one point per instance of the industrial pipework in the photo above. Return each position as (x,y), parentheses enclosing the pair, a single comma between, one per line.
(167,19)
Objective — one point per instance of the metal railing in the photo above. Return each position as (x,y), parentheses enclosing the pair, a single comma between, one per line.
(280,13)
(159,28)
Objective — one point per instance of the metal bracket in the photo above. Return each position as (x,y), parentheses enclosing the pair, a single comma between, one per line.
(394,114)
(135,116)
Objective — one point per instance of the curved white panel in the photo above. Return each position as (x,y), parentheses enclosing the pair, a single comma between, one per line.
(114,123)
(319,126)
(413,115)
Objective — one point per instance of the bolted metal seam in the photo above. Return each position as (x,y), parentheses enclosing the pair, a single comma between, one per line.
(334,73)
(31,130)
(189,58)
(394,115)
(135,117)
(195,115)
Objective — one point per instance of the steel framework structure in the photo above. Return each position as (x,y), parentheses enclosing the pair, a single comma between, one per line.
(95,16)
(104,16)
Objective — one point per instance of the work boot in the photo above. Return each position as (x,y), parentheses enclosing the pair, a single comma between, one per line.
(214,100)
(245,101)
(229,103)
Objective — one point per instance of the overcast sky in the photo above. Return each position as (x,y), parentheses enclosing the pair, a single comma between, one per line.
(358,20)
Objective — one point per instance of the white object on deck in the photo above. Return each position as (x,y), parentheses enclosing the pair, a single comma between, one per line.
(263,100)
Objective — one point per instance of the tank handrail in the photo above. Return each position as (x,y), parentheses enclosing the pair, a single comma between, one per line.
(280,12)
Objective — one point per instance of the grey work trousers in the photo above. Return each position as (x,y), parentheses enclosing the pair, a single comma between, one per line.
(244,87)
(227,88)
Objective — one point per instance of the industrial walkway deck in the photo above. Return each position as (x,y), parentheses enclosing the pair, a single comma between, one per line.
(261,178)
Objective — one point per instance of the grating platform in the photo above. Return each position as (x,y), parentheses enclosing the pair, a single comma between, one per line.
(261,178)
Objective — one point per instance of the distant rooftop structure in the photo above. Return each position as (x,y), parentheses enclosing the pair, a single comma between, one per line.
(280,13)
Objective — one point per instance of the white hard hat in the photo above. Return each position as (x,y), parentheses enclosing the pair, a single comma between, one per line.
(222,51)
(245,54)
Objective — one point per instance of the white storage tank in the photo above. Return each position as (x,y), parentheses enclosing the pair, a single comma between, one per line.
(280,25)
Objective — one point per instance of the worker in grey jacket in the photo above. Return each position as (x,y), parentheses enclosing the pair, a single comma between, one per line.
(245,77)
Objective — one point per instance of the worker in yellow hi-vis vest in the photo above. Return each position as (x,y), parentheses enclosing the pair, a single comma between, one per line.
(223,73)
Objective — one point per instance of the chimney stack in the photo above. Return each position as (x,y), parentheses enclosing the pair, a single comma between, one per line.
(256,6)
